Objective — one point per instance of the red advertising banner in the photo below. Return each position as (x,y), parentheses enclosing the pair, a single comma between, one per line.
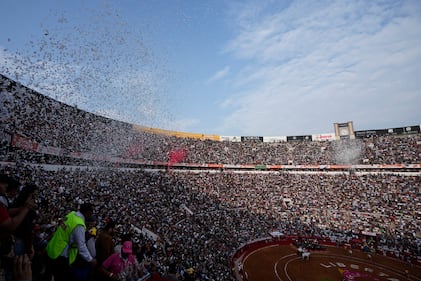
(215,166)
(24,143)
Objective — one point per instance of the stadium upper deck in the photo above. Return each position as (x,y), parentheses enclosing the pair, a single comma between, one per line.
(33,122)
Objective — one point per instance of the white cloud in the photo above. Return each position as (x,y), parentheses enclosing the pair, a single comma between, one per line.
(219,74)
(308,67)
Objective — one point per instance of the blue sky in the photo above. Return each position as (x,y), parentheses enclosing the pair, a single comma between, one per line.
(270,68)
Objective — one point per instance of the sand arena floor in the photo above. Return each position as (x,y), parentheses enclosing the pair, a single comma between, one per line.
(281,263)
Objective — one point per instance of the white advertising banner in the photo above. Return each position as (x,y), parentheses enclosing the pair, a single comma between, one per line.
(324,137)
(231,138)
(275,139)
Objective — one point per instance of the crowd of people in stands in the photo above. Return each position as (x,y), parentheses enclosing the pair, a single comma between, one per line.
(50,123)
(201,218)
(185,225)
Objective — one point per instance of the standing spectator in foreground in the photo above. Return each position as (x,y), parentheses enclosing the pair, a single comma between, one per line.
(104,244)
(68,242)
(23,234)
(9,222)
(90,241)
(81,269)
(8,225)
(90,235)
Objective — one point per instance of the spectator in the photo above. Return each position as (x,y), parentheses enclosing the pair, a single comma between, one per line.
(104,244)
(11,191)
(23,234)
(9,222)
(90,241)
(68,242)
(81,270)
(122,266)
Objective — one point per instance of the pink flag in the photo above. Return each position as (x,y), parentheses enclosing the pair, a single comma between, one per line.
(176,156)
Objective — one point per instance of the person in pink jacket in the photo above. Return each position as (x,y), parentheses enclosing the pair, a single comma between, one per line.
(122,266)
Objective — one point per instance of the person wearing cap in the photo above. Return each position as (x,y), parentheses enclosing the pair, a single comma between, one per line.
(121,266)
(68,242)
(90,240)
(91,234)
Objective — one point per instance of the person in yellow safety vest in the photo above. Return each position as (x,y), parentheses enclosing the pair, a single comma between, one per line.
(68,242)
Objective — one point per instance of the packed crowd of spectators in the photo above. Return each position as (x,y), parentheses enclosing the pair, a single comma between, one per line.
(203,217)
(51,123)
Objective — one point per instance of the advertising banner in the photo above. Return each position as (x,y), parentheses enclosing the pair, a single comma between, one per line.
(176,133)
(391,131)
(324,137)
(231,138)
(300,138)
(24,143)
(369,133)
(260,167)
(275,139)
(404,130)
(252,138)
(49,150)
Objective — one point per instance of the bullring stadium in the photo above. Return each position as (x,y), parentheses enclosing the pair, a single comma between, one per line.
(338,206)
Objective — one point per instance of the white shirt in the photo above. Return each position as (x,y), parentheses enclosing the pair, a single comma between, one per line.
(91,246)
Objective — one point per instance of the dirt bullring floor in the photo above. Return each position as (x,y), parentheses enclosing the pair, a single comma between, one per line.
(281,263)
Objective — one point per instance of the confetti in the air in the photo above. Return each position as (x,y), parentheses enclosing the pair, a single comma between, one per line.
(92,64)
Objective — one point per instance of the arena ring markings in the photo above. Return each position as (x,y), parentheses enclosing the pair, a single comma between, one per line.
(281,263)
